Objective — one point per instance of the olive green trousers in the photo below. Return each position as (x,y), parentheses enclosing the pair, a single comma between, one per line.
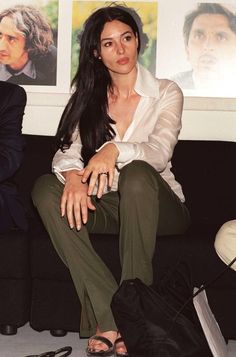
(143,206)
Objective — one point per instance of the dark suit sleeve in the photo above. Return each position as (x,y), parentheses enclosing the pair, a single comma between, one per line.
(12,105)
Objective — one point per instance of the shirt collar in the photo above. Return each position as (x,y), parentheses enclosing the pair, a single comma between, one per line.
(146,84)
(29,70)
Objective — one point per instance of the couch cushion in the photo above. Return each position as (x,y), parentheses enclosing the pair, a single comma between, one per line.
(44,260)
(46,264)
(197,251)
(37,161)
(14,255)
(205,171)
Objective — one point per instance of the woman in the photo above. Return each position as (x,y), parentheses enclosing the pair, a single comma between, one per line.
(116,138)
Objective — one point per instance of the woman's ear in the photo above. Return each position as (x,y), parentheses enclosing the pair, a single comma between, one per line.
(96,55)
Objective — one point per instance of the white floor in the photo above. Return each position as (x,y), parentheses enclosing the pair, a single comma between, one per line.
(231,349)
(29,342)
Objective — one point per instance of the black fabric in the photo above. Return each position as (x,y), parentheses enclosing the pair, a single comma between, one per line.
(6,220)
(37,160)
(13,100)
(204,170)
(14,301)
(14,255)
(54,305)
(157,322)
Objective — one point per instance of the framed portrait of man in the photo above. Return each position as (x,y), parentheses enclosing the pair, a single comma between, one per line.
(196,46)
(28,42)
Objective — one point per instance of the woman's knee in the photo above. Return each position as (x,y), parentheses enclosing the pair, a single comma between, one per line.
(136,177)
(225,242)
(43,190)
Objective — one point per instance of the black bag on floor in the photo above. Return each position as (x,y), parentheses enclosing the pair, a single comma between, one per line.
(155,323)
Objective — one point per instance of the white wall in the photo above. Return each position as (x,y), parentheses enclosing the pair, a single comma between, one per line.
(42,113)
(203,118)
(209,119)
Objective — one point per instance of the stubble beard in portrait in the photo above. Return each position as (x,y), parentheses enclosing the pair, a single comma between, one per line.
(214,74)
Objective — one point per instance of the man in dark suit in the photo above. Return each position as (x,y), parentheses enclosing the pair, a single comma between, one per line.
(12,105)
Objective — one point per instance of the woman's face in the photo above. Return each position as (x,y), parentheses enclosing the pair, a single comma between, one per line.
(118,47)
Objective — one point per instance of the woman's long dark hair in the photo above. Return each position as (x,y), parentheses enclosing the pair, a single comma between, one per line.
(87,107)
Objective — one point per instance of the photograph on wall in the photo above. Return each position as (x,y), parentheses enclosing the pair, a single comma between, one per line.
(147,12)
(28,42)
(196,47)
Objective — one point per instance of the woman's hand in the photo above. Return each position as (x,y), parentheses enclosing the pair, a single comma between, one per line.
(75,201)
(101,167)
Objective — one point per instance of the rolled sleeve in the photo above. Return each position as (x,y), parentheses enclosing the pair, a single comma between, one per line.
(127,151)
(68,160)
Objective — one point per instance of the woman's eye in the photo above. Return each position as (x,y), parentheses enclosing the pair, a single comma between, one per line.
(107,44)
(128,38)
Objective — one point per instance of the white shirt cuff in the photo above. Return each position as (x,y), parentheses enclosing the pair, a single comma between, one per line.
(58,173)
(127,151)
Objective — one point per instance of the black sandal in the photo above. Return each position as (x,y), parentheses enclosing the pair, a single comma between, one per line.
(119,354)
(105,353)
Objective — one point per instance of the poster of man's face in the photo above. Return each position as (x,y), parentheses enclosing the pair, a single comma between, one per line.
(208,32)
(28,42)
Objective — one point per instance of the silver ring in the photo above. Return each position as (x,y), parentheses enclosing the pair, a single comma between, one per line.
(103,173)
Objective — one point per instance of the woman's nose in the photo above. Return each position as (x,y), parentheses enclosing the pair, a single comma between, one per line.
(120,47)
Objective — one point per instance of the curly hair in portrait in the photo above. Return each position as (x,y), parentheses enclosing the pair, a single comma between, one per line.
(87,107)
(207,8)
(31,23)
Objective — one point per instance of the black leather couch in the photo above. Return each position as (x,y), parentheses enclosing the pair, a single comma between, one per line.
(35,286)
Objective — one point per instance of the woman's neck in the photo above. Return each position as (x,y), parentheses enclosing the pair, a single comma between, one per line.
(123,84)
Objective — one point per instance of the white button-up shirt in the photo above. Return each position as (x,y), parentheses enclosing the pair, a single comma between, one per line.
(151,136)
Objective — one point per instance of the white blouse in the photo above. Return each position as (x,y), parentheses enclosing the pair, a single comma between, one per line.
(151,136)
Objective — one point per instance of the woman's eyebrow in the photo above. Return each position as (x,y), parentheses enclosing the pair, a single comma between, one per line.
(110,38)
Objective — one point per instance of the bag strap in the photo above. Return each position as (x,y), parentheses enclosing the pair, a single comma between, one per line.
(66,349)
(203,287)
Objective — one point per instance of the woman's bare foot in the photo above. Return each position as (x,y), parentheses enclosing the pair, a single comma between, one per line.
(100,343)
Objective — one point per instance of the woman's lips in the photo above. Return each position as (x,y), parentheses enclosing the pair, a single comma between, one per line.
(123,60)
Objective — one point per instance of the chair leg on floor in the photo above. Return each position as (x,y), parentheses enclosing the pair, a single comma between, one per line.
(8,330)
(58,333)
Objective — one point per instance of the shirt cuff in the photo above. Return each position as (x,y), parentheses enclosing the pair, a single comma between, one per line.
(127,151)
(58,173)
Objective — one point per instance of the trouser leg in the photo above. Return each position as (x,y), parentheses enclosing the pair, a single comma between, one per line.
(94,282)
(147,206)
